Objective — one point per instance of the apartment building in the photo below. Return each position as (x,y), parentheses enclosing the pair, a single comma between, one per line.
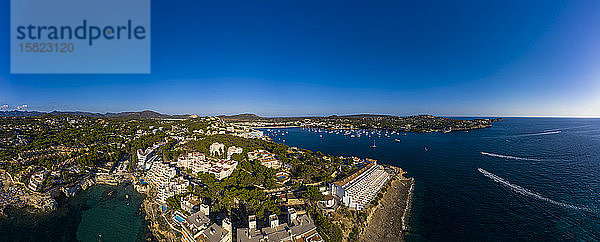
(233,150)
(223,168)
(217,149)
(160,174)
(197,162)
(36,181)
(266,158)
(359,189)
(297,228)
(197,227)
(174,187)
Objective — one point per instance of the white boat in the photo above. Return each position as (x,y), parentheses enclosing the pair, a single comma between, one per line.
(373,146)
(397,140)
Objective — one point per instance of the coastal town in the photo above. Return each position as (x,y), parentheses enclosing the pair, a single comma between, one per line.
(204,178)
(418,123)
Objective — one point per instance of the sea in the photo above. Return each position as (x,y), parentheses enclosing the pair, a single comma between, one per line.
(522,179)
(100,213)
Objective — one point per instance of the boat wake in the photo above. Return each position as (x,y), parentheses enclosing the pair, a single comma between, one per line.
(526,192)
(547,132)
(508,156)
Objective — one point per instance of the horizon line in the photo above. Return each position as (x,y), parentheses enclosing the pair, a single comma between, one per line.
(347,114)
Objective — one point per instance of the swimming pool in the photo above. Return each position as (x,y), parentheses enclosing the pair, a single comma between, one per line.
(178,218)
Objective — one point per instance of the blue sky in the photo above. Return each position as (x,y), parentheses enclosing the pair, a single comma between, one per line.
(284,58)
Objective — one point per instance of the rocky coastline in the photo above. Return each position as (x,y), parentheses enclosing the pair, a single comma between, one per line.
(388,220)
(17,195)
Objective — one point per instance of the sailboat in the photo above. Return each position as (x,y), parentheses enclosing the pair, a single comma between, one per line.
(373,146)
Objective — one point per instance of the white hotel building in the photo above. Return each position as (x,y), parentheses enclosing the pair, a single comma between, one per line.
(174,187)
(266,158)
(194,161)
(197,163)
(163,178)
(233,150)
(357,190)
(160,174)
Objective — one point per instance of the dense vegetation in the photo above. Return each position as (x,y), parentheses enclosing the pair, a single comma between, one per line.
(84,142)
(328,230)
(59,143)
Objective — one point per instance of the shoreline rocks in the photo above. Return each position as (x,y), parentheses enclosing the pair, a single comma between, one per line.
(386,222)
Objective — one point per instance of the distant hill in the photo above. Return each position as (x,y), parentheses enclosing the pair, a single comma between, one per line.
(148,114)
(240,117)
(363,116)
(74,113)
(254,117)
(125,115)
(20,113)
(138,115)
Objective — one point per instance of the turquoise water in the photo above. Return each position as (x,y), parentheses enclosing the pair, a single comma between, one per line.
(180,219)
(539,178)
(101,213)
